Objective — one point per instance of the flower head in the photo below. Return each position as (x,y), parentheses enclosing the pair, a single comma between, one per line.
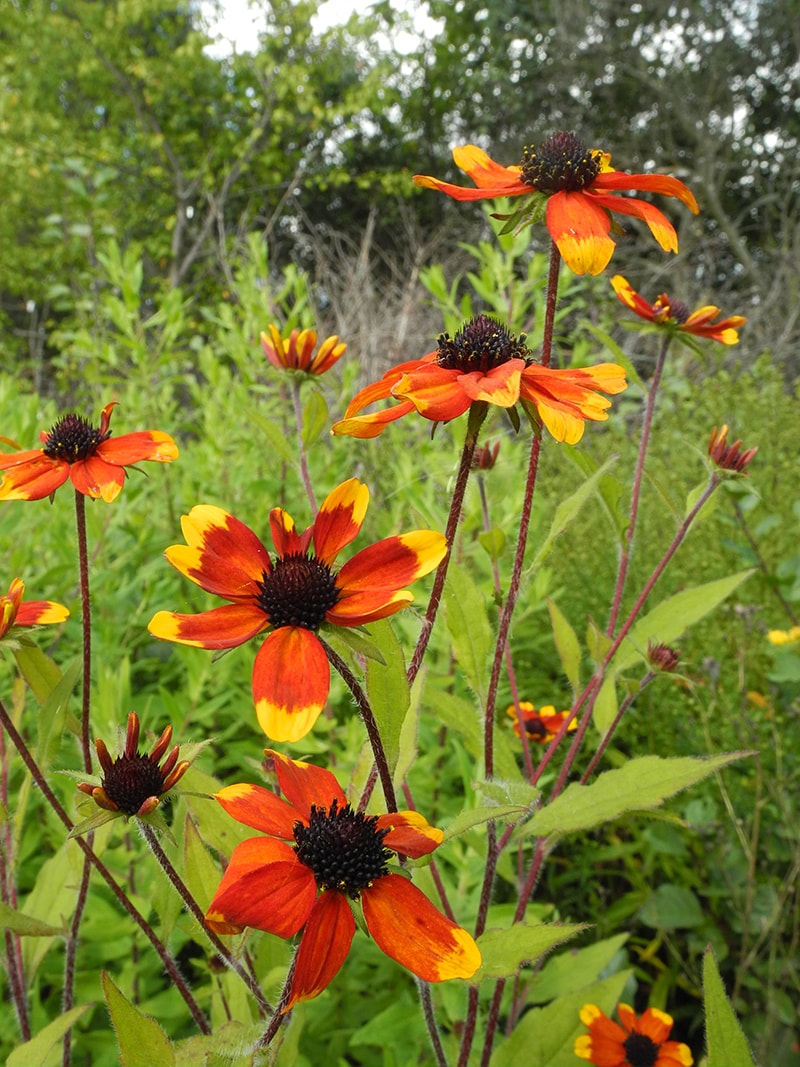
(485,457)
(135,782)
(484,362)
(638,1042)
(542,725)
(89,456)
(317,859)
(728,457)
(292,595)
(297,353)
(662,657)
(576,189)
(675,315)
(784,637)
(15,612)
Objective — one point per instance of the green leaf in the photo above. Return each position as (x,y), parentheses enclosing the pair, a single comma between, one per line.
(567,644)
(672,617)
(230,1045)
(605,706)
(142,1042)
(468,623)
(671,907)
(276,438)
(610,491)
(26,925)
(38,670)
(315,417)
(727,1045)
(36,1052)
(573,970)
(200,872)
(476,816)
(387,688)
(493,542)
(568,510)
(618,355)
(641,784)
(50,724)
(505,951)
(342,638)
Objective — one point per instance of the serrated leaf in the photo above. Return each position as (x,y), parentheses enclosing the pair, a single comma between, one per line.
(641,784)
(568,510)
(567,644)
(142,1042)
(26,925)
(467,621)
(504,951)
(36,1052)
(725,1038)
(477,816)
(673,616)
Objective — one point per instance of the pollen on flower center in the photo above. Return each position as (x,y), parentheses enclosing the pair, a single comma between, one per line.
(640,1050)
(131,780)
(344,848)
(298,592)
(480,345)
(561,163)
(72,439)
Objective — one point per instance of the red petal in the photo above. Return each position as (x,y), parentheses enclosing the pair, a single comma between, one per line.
(33,478)
(135,447)
(285,537)
(225,627)
(303,784)
(259,808)
(580,227)
(291,681)
(265,886)
(407,927)
(499,387)
(95,478)
(31,612)
(29,456)
(340,519)
(660,226)
(323,947)
(409,834)
(491,178)
(435,392)
(221,554)
(646,183)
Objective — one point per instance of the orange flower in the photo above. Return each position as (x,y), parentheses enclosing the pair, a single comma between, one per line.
(576,189)
(542,725)
(336,858)
(15,612)
(93,460)
(292,596)
(729,457)
(484,362)
(675,315)
(639,1042)
(297,352)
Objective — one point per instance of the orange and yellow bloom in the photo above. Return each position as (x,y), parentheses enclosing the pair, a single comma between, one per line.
(485,363)
(292,595)
(578,190)
(90,457)
(638,1042)
(15,612)
(297,352)
(542,725)
(727,457)
(317,861)
(675,315)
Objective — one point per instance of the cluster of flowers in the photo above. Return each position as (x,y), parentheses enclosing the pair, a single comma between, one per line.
(317,857)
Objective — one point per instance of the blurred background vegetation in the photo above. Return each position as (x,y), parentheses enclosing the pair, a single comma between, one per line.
(161,205)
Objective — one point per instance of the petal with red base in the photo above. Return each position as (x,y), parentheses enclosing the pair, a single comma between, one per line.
(409,834)
(225,627)
(291,681)
(255,806)
(304,784)
(264,886)
(31,478)
(660,226)
(95,478)
(435,392)
(365,427)
(323,947)
(285,538)
(499,387)
(491,178)
(407,927)
(646,183)
(33,612)
(340,519)
(222,555)
(135,447)
(580,229)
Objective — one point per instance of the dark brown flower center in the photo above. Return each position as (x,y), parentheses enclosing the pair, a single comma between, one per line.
(481,344)
(344,848)
(640,1050)
(131,781)
(678,311)
(73,438)
(298,592)
(535,729)
(561,163)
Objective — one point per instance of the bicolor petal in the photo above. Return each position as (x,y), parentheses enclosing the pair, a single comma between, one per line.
(32,479)
(95,478)
(291,681)
(135,447)
(222,555)
(260,808)
(304,784)
(225,627)
(323,947)
(580,229)
(410,834)
(340,519)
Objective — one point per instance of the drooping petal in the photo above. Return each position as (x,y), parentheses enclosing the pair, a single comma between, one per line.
(222,555)
(491,178)
(374,579)
(564,399)
(260,808)
(646,183)
(95,478)
(225,627)
(660,226)
(499,387)
(264,886)
(340,519)
(323,947)
(32,612)
(291,681)
(33,478)
(435,392)
(628,295)
(365,427)
(135,447)
(580,228)
(410,834)
(304,784)
(407,927)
